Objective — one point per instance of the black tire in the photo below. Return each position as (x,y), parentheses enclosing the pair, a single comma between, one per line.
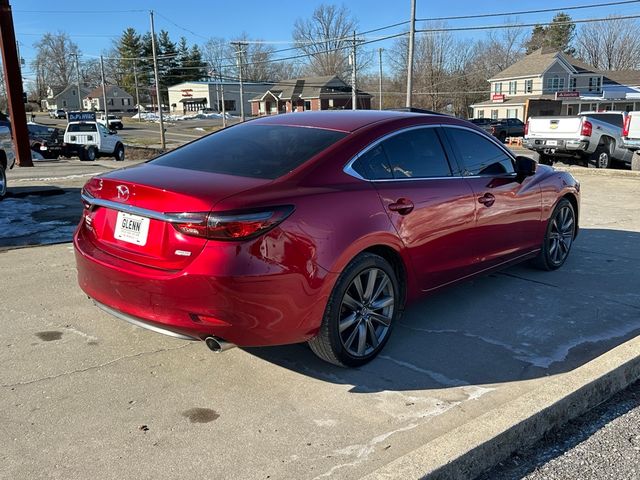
(545,159)
(88,154)
(601,158)
(502,136)
(335,344)
(558,237)
(3,181)
(118,153)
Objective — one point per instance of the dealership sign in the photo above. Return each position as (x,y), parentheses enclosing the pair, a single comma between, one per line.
(567,95)
(187,92)
(498,97)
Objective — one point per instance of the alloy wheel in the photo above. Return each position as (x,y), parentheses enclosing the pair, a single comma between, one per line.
(366,312)
(561,235)
(603,160)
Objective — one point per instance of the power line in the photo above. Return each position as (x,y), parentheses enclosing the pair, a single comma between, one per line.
(528,12)
(64,12)
(521,25)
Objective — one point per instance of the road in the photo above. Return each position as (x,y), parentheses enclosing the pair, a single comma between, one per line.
(84,395)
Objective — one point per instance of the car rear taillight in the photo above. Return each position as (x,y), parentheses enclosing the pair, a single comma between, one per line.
(625,128)
(230,225)
(587,128)
(493,130)
(526,128)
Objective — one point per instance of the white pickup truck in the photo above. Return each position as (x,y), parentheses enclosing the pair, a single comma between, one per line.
(631,137)
(594,138)
(89,139)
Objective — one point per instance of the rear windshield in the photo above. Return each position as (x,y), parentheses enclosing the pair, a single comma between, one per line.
(82,127)
(612,118)
(258,151)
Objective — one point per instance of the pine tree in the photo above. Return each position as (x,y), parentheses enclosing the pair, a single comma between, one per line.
(556,36)
(128,47)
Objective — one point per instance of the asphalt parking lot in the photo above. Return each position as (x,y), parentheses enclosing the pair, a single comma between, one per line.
(85,395)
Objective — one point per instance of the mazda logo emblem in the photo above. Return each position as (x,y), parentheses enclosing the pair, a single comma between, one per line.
(123,192)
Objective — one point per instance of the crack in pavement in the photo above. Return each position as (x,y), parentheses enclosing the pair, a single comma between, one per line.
(93,367)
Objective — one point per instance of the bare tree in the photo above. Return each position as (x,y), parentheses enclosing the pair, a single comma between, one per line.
(326,37)
(217,53)
(55,56)
(610,45)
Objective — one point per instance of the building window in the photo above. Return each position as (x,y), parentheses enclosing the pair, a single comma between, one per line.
(229,105)
(512,113)
(573,84)
(497,87)
(480,114)
(110,102)
(307,105)
(494,114)
(570,110)
(555,84)
(528,86)
(513,87)
(595,84)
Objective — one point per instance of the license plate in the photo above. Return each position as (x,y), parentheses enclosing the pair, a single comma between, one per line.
(552,143)
(132,228)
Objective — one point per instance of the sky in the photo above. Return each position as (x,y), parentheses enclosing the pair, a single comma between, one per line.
(94,25)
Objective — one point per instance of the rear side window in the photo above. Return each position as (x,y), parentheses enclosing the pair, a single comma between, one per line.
(82,127)
(479,155)
(373,165)
(258,151)
(612,118)
(417,154)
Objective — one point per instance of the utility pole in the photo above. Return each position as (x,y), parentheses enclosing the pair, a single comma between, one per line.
(155,73)
(240,46)
(380,80)
(104,93)
(13,79)
(354,94)
(135,79)
(224,113)
(78,81)
(412,37)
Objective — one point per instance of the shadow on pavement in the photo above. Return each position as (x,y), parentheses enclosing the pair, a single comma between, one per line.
(513,325)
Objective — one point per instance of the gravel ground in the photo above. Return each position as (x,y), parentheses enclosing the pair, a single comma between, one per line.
(603,444)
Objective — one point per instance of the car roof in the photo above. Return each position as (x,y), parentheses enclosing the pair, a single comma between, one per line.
(341,120)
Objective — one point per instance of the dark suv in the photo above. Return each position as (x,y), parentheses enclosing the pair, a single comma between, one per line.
(507,127)
(47,141)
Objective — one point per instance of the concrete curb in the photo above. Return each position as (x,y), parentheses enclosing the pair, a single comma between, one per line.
(473,448)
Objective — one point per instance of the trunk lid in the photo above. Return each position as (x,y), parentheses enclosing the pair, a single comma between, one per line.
(129,206)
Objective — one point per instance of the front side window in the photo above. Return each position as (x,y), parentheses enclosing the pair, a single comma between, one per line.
(479,155)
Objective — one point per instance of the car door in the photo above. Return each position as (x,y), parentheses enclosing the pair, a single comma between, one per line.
(107,141)
(509,210)
(431,209)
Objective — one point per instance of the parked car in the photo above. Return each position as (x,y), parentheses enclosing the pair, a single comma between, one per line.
(7,158)
(631,138)
(89,139)
(113,123)
(59,113)
(483,123)
(594,138)
(506,127)
(315,227)
(46,140)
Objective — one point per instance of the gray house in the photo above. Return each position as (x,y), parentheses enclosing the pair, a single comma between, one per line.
(552,75)
(117,99)
(64,97)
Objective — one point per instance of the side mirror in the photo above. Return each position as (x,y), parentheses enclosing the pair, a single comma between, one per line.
(525,167)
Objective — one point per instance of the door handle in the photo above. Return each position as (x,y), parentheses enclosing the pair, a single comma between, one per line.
(402,206)
(487,199)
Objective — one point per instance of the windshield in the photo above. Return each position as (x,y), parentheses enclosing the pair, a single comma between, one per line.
(81,127)
(259,151)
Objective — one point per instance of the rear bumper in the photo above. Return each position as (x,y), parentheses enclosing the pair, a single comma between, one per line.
(631,144)
(546,145)
(225,292)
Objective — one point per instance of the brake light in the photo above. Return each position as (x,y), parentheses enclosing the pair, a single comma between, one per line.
(493,130)
(526,128)
(625,129)
(230,225)
(587,128)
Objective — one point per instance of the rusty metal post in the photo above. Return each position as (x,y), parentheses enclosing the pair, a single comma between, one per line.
(13,79)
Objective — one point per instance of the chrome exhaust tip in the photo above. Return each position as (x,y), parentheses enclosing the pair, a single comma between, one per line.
(218,345)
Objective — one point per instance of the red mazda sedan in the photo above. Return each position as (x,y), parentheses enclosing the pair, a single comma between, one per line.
(316,227)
